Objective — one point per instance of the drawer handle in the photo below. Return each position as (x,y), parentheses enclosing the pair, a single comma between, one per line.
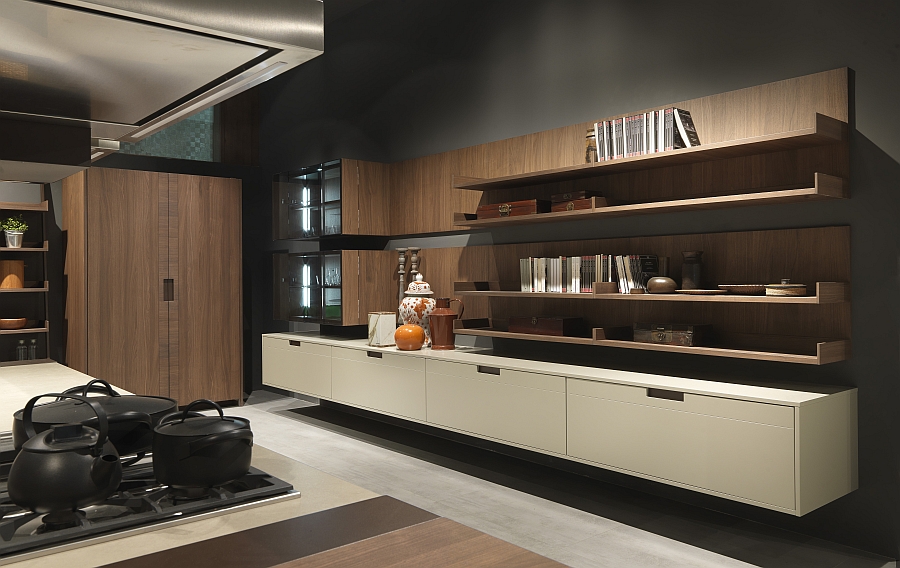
(488,370)
(666,394)
(295,343)
(374,354)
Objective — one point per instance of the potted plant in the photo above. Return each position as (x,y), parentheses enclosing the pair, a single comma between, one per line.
(14,227)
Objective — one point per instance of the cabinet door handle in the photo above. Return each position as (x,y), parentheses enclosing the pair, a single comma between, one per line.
(168,290)
(488,370)
(295,343)
(666,394)
(374,354)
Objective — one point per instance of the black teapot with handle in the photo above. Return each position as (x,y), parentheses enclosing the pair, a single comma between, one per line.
(67,467)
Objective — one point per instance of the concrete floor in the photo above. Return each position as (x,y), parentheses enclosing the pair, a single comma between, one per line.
(693,537)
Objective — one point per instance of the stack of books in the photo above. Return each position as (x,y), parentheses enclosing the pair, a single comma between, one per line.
(577,274)
(640,134)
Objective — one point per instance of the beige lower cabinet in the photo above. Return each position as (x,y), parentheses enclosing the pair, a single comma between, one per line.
(512,406)
(744,450)
(297,366)
(384,382)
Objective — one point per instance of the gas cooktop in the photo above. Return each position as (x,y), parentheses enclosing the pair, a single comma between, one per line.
(140,500)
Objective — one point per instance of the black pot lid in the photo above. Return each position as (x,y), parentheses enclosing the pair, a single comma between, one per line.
(69,410)
(63,438)
(202,426)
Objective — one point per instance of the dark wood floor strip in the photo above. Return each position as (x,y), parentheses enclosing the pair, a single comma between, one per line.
(440,543)
(288,540)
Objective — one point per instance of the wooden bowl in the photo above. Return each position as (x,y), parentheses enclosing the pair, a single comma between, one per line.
(13,323)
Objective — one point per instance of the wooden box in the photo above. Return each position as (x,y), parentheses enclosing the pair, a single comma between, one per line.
(574,196)
(574,205)
(559,326)
(688,335)
(513,209)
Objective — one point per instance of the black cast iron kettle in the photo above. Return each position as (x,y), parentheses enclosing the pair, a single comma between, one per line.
(67,467)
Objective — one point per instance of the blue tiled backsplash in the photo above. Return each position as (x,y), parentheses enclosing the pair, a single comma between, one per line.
(189,139)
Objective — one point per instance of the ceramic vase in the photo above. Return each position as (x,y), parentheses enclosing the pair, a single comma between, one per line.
(418,305)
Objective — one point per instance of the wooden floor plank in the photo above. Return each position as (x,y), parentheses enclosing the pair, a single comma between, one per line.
(439,543)
(280,542)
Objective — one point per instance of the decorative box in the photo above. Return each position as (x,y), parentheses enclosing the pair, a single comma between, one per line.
(672,333)
(512,209)
(560,326)
(574,196)
(382,326)
(573,205)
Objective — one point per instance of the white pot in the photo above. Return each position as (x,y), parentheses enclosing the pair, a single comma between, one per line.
(14,239)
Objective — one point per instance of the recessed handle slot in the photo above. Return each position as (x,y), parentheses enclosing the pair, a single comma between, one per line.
(488,370)
(666,394)
(374,354)
(295,343)
(168,290)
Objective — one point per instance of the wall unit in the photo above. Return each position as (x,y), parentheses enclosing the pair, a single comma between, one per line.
(30,301)
(333,287)
(788,448)
(341,197)
(154,282)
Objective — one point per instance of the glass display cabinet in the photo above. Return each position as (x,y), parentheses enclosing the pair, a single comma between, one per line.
(308,202)
(334,287)
(340,197)
(309,287)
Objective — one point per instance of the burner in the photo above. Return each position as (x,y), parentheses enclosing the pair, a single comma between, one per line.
(59,520)
(139,500)
(184,494)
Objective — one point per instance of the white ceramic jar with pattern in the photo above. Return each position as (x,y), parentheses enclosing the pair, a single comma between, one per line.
(417,305)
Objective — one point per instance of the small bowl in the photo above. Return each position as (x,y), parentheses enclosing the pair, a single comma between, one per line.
(13,323)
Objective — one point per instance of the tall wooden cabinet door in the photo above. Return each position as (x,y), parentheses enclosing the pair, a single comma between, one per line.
(206,355)
(125,290)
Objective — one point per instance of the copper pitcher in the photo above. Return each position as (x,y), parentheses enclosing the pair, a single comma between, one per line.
(441,322)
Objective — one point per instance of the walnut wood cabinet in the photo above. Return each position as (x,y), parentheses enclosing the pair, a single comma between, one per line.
(334,287)
(341,197)
(154,282)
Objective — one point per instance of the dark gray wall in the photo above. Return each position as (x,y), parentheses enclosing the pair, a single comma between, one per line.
(404,78)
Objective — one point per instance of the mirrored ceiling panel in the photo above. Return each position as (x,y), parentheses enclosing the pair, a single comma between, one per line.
(58,61)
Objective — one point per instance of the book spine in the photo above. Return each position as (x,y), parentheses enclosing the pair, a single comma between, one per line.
(669,140)
(686,129)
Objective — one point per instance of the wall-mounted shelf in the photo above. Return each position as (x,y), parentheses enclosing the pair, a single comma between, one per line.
(13,206)
(25,330)
(827,130)
(826,293)
(825,351)
(44,288)
(43,248)
(825,187)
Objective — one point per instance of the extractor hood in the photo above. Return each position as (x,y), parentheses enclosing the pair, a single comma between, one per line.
(81,75)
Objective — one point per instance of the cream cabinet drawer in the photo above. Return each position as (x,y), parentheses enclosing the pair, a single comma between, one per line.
(772,414)
(735,457)
(375,356)
(498,375)
(529,416)
(297,345)
(391,383)
(303,369)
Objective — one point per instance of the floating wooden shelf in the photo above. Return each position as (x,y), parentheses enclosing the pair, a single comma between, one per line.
(27,362)
(43,248)
(13,206)
(44,329)
(825,187)
(44,288)
(826,131)
(826,293)
(826,351)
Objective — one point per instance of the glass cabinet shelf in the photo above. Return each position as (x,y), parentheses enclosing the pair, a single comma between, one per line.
(308,202)
(308,287)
